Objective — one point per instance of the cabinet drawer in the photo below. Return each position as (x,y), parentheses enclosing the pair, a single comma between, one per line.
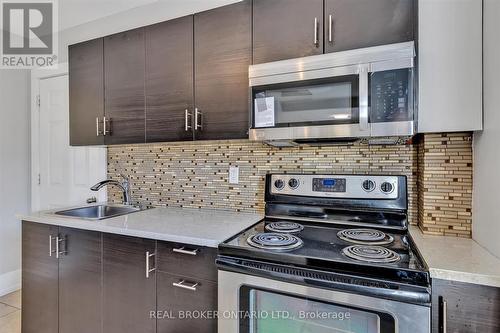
(178,297)
(188,260)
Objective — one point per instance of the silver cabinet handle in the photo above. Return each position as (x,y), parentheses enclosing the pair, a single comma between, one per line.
(198,115)
(51,238)
(316,27)
(59,240)
(187,115)
(107,130)
(184,251)
(181,284)
(445,313)
(98,132)
(330,28)
(149,270)
(363,97)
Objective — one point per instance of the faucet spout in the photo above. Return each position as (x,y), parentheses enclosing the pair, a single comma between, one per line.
(124,186)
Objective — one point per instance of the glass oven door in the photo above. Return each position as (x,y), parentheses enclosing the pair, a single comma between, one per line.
(331,101)
(275,312)
(257,304)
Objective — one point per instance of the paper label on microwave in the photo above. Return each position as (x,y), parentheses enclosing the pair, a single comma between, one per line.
(264,112)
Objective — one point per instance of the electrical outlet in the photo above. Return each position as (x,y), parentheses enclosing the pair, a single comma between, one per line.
(234,175)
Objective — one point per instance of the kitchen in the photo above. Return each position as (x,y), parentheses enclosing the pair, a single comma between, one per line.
(255,166)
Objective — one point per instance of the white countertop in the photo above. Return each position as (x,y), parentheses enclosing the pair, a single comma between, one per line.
(202,227)
(457,259)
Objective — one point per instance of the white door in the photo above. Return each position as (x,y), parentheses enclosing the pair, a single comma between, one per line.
(65,173)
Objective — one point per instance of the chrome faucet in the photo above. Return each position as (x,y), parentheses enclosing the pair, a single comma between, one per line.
(124,186)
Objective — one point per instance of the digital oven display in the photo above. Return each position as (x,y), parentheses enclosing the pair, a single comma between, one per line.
(329,185)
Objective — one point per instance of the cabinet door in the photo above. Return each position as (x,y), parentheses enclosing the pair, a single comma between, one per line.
(40,279)
(363,23)
(286,29)
(86,93)
(469,307)
(80,282)
(169,80)
(450,79)
(174,295)
(124,62)
(222,56)
(129,297)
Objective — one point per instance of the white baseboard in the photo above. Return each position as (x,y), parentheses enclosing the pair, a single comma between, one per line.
(10,282)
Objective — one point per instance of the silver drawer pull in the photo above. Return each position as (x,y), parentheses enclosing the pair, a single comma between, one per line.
(330,28)
(184,251)
(181,284)
(316,29)
(445,315)
(187,120)
(51,238)
(60,240)
(98,131)
(198,115)
(106,126)
(149,270)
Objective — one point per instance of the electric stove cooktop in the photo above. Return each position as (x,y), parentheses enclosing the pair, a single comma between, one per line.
(362,250)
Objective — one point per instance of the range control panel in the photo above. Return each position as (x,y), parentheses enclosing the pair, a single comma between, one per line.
(329,185)
(354,187)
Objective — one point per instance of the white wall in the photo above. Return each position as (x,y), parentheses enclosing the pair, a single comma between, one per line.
(159,11)
(486,215)
(14,172)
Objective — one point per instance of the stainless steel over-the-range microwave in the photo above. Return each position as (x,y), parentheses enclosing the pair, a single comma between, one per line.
(362,93)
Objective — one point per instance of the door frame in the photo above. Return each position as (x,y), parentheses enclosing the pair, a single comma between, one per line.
(36,76)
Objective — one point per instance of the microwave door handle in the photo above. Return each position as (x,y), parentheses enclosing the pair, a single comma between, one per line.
(363,98)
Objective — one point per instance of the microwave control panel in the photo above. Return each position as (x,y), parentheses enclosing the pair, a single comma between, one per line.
(390,94)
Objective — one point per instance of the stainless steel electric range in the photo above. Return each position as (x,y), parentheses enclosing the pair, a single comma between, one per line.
(333,254)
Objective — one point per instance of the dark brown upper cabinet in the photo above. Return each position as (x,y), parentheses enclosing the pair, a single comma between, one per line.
(187,78)
(169,80)
(124,61)
(364,23)
(223,51)
(86,93)
(286,29)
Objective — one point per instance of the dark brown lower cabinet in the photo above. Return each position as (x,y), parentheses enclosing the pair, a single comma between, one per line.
(61,280)
(189,302)
(40,279)
(464,308)
(80,281)
(129,297)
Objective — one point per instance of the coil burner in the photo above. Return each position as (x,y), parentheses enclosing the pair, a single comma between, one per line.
(284,227)
(365,236)
(275,241)
(372,254)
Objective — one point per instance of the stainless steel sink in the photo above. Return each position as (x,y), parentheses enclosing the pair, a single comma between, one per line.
(99,212)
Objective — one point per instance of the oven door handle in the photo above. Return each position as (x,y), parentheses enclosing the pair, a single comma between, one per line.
(330,280)
(363,97)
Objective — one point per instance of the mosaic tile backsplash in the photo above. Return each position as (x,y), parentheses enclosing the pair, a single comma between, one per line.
(195,174)
(445,184)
